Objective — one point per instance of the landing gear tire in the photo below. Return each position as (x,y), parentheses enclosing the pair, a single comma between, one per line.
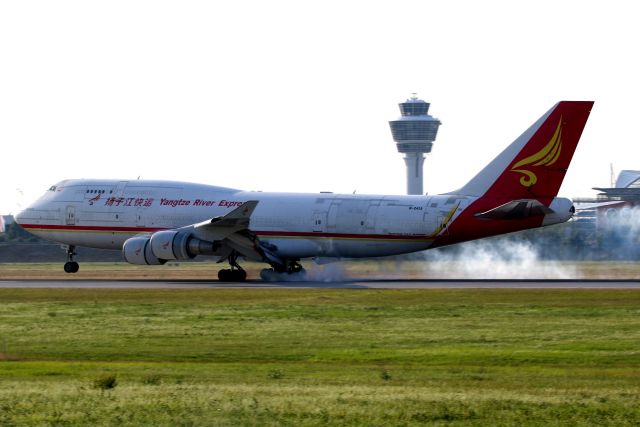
(71,267)
(233,274)
(228,275)
(271,275)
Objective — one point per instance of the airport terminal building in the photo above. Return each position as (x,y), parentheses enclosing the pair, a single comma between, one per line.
(592,213)
(626,189)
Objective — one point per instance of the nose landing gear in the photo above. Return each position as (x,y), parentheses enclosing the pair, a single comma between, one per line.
(71,266)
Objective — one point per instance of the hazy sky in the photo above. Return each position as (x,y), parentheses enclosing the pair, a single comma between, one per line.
(296,96)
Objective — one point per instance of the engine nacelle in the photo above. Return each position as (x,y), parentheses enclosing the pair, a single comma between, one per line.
(137,250)
(170,244)
(179,244)
(562,210)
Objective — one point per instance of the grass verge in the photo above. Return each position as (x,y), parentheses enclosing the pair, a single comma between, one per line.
(319,357)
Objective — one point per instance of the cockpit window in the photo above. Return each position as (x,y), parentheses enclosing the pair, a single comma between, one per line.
(52,188)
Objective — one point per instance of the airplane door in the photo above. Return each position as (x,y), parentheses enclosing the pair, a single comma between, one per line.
(71,215)
(319,222)
(431,222)
(332,217)
(369,225)
(430,217)
(140,221)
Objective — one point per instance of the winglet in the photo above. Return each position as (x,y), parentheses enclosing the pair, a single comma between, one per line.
(243,211)
(235,220)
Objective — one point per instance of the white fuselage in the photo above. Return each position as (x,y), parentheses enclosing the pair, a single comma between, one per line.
(105,213)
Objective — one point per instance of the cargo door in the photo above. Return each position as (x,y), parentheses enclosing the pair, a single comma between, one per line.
(332,217)
(369,226)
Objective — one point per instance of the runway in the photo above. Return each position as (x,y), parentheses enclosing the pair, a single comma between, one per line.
(352,284)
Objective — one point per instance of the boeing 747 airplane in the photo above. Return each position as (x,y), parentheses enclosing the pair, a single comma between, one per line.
(153,222)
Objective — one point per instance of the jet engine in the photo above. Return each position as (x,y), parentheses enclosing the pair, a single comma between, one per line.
(165,245)
(137,250)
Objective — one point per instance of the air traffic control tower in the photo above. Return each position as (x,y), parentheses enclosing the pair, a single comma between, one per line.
(414,133)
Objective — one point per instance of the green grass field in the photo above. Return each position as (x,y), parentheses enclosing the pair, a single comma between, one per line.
(320,357)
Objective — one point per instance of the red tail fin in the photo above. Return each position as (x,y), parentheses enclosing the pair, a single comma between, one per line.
(534,165)
(515,191)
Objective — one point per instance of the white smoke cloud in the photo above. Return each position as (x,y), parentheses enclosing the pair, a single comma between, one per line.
(549,253)
(331,272)
(494,259)
(620,233)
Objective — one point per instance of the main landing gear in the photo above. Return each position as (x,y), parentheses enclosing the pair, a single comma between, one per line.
(71,266)
(233,274)
(290,272)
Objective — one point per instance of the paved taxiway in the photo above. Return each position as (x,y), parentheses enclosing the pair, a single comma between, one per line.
(352,284)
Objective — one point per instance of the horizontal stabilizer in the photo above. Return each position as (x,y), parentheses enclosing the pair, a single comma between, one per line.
(581,206)
(516,209)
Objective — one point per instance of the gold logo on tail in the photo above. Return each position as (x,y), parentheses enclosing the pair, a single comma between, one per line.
(545,157)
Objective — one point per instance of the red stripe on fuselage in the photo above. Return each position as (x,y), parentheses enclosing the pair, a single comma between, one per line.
(339,235)
(91,228)
(52,227)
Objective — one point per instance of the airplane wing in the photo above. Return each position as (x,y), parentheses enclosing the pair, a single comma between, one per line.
(516,209)
(221,227)
(232,232)
(224,236)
